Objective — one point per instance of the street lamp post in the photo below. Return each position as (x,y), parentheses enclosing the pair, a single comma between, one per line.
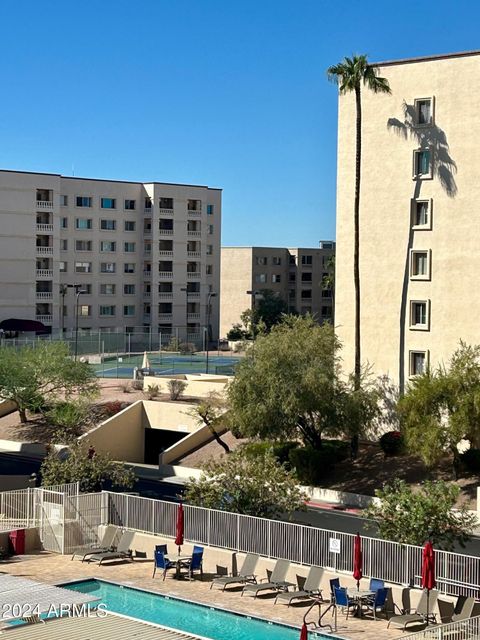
(63,291)
(211,295)
(78,293)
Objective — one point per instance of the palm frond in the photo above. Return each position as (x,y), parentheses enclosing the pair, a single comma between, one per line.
(351,72)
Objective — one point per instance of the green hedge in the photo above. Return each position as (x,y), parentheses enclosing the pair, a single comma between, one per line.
(314,465)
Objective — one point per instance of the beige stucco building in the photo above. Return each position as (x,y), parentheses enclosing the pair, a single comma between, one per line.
(144,254)
(294,274)
(419,238)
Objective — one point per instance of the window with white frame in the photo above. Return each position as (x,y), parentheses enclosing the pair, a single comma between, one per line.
(83,201)
(261,278)
(129,267)
(419,314)
(422,163)
(107,309)
(424,111)
(108,267)
(129,247)
(307,260)
(107,289)
(129,289)
(64,201)
(83,245)
(130,205)
(83,223)
(129,225)
(63,266)
(418,362)
(422,214)
(107,246)
(276,278)
(128,309)
(83,267)
(85,310)
(108,225)
(108,203)
(420,264)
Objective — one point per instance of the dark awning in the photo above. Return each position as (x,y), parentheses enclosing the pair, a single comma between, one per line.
(17,324)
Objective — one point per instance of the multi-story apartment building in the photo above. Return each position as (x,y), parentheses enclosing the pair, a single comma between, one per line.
(419,257)
(296,275)
(143,255)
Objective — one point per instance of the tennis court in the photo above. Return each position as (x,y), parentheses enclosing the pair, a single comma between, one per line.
(122,366)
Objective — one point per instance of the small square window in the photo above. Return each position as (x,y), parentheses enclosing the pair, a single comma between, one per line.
(63,223)
(210,209)
(419,315)
(63,245)
(130,205)
(129,310)
(306,276)
(108,203)
(420,264)
(107,310)
(165,203)
(63,266)
(83,223)
(129,289)
(424,112)
(209,249)
(261,278)
(276,278)
(107,246)
(129,247)
(84,310)
(129,267)
(108,225)
(64,201)
(422,164)
(108,267)
(418,362)
(129,225)
(107,289)
(422,214)
(292,277)
(83,201)
(276,261)
(209,270)
(306,294)
(260,260)
(307,260)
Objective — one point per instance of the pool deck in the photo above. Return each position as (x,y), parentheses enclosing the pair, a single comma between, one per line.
(55,569)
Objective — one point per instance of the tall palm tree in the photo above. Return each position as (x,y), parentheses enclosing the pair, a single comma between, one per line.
(350,75)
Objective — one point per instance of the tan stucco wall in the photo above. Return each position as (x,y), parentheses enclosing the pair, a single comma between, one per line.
(386,193)
(198,387)
(122,435)
(174,416)
(235,281)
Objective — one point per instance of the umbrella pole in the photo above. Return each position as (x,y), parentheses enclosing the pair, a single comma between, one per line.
(428,605)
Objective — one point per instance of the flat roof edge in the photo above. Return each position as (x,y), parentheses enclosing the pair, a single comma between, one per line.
(60,175)
(431,58)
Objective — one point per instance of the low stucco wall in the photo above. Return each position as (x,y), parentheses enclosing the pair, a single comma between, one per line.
(32,540)
(121,436)
(197,386)
(6,407)
(174,416)
(189,443)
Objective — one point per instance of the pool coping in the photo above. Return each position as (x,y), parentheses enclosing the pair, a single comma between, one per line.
(200,604)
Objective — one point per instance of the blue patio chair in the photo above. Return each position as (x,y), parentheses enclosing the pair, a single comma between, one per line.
(163,548)
(379,602)
(342,600)
(334,584)
(376,584)
(196,563)
(161,562)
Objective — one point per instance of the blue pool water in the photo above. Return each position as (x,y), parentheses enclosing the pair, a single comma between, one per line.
(184,616)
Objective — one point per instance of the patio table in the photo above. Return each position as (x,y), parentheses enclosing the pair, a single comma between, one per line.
(178,559)
(359,595)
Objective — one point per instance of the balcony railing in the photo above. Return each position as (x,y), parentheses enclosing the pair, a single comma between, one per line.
(165,253)
(193,316)
(44,227)
(44,204)
(193,274)
(166,212)
(166,232)
(165,296)
(147,232)
(165,274)
(193,294)
(44,295)
(194,254)
(147,211)
(147,274)
(147,294)
(194,212)
(192,232)
(147,252)
(45,251)
(164,316)
(147,317)
(44,273)
(46,319)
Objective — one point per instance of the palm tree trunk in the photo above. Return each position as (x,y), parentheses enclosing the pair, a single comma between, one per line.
(356,256)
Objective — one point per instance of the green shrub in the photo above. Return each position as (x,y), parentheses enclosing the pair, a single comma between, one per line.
(392,443)
(152,391)
(311,465)
(471,459)
(176,388)
(69,418)
(338,450)
(236,333)
(280,450)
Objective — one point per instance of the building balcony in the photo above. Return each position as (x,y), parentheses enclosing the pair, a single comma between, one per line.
(147,317)
(147,294)
(166,232)
(43,295)
(165,253)
(44,204)
(147,211)
(193,294)
(147,252)
(194,254)
(45,251)
(165,274)
(168,212)
(194,233)
(44,273)
(165,316)
(147,274)
(44,227)
(147,233)
(192,275)
(194,212)
(165,296)
(193,316)
(46,319)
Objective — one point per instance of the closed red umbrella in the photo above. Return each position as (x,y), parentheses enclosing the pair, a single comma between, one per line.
(428,571)
(180,527)
(357,559)
(304,632)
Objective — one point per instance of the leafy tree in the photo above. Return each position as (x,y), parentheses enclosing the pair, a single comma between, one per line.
(35,376)
(91,469)
(270,308)
(442,407)
(252,485)
(290,386)
(211,412)
(69,417)
(409,516)
(350,75)
(328,281)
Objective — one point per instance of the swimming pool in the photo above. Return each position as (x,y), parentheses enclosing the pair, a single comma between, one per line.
(183,615)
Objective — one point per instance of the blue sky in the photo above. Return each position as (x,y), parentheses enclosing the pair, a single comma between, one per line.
(229,94)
